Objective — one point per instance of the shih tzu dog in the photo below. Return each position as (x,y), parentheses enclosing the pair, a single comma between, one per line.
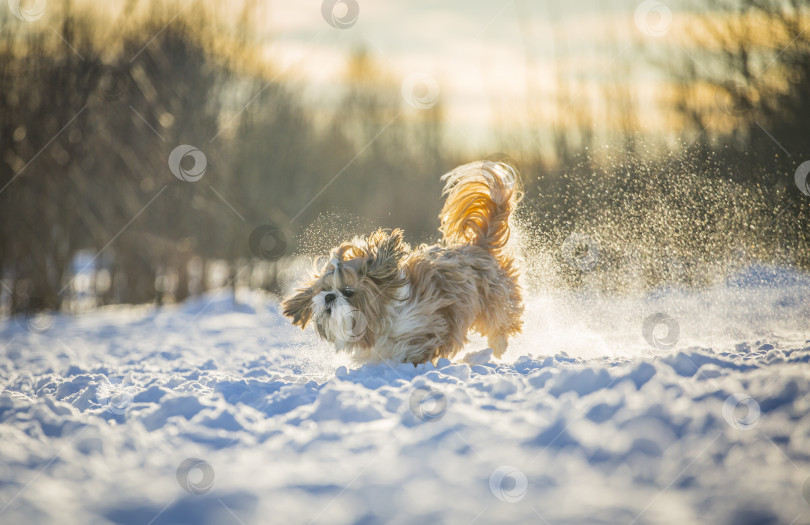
(380,299)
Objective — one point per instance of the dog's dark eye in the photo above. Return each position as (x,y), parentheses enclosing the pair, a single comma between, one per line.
(348,292)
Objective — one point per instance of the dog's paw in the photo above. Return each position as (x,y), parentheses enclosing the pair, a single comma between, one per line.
(480,357)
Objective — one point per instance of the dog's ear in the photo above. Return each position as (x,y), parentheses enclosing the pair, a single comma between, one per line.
(385,250)
(299,306)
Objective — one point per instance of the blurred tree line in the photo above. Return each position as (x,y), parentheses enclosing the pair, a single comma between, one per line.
(618,213)
(89,117)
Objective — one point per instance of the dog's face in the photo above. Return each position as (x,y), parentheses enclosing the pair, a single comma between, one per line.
(348,298)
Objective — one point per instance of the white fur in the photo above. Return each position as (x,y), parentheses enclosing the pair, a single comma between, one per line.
(343,323)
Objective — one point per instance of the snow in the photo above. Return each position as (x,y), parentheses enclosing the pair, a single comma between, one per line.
(220,412)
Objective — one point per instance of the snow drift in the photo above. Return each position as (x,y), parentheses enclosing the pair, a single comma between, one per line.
(672,407)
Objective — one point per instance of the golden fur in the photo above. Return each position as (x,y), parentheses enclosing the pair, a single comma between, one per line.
(382,300)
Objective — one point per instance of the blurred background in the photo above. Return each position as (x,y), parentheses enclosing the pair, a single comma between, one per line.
(153,149)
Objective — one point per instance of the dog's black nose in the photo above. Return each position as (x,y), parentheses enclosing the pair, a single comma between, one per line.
(329,298)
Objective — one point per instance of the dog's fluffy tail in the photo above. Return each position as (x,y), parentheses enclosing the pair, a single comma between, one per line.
(479,198)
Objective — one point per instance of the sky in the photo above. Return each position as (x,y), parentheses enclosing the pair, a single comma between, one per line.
(493,65)
(492,61)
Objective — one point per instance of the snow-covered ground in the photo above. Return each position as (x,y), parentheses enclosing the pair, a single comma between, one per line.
(671,407)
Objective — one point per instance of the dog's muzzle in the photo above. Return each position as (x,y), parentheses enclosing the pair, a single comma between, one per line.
(329,299)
